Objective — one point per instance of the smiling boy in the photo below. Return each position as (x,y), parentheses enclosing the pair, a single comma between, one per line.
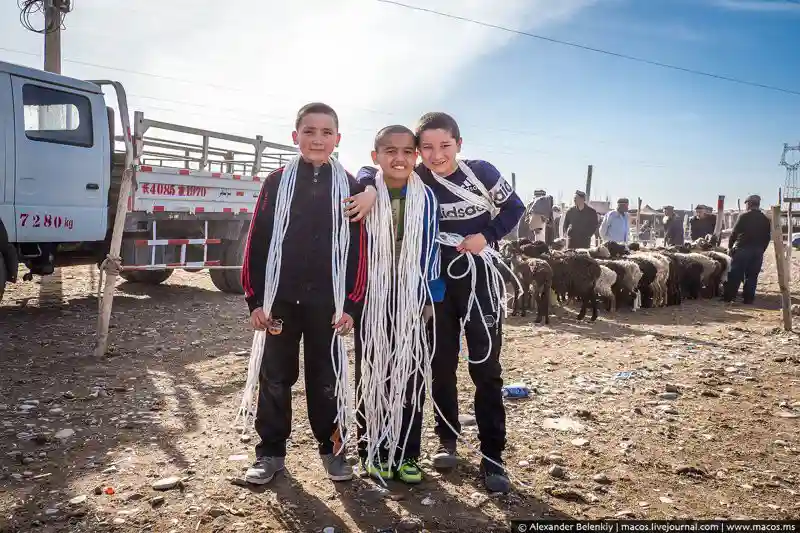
(304,299)
(416,261)
(477,203)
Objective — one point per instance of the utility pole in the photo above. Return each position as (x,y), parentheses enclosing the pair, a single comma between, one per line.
(52,35)
(790,196)
(589,184)
(54,12)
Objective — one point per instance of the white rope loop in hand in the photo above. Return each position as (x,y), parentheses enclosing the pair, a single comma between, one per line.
(495,283)
(341,242)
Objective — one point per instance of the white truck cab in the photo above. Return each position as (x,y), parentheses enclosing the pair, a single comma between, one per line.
(60,176)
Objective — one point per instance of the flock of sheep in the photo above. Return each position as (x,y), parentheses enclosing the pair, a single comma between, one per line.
(619,275)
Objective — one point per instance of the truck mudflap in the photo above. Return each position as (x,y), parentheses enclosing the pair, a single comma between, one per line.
(167,189)
(9,260)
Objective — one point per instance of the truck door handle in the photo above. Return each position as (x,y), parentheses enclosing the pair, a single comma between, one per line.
(92,187)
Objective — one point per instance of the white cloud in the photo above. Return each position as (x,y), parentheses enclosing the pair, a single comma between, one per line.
(759,5)
(376,63)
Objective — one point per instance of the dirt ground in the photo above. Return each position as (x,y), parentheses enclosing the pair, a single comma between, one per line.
(689,411)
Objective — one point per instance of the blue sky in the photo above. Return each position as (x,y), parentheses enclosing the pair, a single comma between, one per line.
(541,110)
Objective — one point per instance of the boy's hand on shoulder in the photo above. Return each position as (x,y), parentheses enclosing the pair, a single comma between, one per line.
(344,325)
(259,320)
(473,244)
(358,206)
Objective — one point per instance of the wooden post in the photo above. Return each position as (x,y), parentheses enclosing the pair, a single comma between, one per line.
(720,214)
(515,231)
(638,217)
(52,36)
(789,235)
(782,266)
(588,190)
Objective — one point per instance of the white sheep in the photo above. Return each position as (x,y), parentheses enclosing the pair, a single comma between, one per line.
(598,252)
(633,274)
(709,265)
(726,259)
(603,286)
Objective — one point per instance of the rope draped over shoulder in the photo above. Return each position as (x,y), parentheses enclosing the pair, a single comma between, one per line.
(484,200)
(395,349)
(341,242)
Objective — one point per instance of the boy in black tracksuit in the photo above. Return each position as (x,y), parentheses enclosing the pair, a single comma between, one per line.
(304,300)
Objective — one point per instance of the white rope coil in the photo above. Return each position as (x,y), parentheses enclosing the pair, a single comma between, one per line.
(495,284)
(341,243)
(383,411)
(395,352)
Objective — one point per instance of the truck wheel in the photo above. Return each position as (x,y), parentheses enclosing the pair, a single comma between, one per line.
(3,275)
(149,277)
(219,279)
(230,280)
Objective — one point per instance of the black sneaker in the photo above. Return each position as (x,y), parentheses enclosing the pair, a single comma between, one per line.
(445,456)
(494,477)
(264,469)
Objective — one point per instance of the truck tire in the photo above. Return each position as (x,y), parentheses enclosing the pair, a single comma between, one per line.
(149,277)
(3,275)
(230,280)
(219,280)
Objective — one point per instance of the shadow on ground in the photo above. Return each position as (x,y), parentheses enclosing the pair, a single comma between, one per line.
(163,391)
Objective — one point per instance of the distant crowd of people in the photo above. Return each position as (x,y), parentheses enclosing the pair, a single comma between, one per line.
(748,240)
(582,222)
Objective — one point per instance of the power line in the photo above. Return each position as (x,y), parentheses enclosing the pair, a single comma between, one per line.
(241,90)
(29,8)
(596,50)
(240,113)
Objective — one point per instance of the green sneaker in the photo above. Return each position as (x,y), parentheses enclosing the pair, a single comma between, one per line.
(378,470)
(409,472)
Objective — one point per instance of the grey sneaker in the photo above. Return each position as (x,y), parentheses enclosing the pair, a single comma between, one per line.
(445,456)
(337,467)
(264,469)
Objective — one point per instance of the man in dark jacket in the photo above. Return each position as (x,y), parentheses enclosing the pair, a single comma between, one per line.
(580,222)
(673,227)
(702,223)
(748,241)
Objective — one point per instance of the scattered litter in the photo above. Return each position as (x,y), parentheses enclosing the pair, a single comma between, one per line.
(516,390)
(563,424)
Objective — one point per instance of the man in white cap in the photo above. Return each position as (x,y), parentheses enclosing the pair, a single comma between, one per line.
(616,226)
